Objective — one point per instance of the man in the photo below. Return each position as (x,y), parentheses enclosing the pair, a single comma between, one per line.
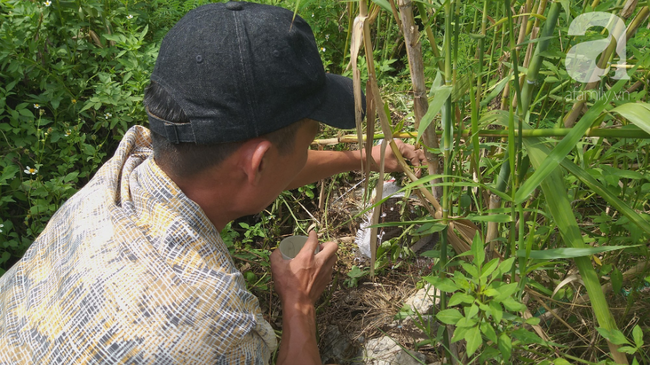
(132,269)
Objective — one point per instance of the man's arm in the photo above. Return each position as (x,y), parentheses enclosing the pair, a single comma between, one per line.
(323,164)
(299,283)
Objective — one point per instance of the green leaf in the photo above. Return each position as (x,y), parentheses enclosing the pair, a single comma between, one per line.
(474,340)
(612,199)
(505,346)
(567,253)
(496,311)
(471,311)
(446,285)
(614,336)
(384,4)
(459,333)
(488,353)
(489,267)
(465,322)
(449,316)
(441,95)
(26,112)
(496,90)
(503,268)
(458,298)
(71,176)
(627,349)
(478,250)
(621,174)
(471,269)
(553,159)
(533,321)
(505,291)
(355,272)
(636,113)
(513,305)
(637,333)
(489,332)
(526,337)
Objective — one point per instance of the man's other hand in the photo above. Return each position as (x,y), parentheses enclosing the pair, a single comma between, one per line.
(415,157)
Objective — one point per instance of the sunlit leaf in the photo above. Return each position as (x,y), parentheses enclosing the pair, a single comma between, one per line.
(614,336)
(384,4)
(567,253)
(553,160)
(505,346)
(474,340)
(637,113)
(637,333)
(434,108)
(449,316)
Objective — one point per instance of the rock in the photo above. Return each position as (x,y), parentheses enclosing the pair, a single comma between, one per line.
(422,301)
(339,349)
(385,351)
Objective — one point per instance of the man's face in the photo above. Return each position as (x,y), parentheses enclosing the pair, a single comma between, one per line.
(282,169)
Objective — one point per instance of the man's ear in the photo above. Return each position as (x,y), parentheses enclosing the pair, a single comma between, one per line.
(254,159)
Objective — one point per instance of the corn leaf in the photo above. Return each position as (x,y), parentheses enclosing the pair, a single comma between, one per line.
(637,113)
(612,199)
(441,95)
(384,4)
(560,208)
(568,253)
(553,160)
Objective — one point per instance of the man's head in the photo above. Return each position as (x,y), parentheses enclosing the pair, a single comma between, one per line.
(238,86)
(186,160)
(236,71)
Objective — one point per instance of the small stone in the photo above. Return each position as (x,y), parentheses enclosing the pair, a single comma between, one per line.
(385,351)
(422,301)
(337,348)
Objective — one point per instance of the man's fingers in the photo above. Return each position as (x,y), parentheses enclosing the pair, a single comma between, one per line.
(310,245)
(275,256)
(329,248)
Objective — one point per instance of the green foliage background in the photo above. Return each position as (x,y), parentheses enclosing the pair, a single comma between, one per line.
(72,77)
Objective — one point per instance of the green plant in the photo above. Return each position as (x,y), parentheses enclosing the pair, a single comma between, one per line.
(251,232)
(488,307)
(73,75)
(354,275)
(617,337)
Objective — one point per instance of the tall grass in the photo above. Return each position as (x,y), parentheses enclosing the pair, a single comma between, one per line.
(517,61)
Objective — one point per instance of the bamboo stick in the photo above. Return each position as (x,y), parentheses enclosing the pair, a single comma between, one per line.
(416,67)
(501,133)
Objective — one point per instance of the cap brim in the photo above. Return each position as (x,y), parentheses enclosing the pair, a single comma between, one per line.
(337,110)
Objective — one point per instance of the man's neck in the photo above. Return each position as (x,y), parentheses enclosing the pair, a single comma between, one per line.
(214,191)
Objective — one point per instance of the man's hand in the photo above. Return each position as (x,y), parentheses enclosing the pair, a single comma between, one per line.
(415,157)
(323,164)
(299,283)
(302,280)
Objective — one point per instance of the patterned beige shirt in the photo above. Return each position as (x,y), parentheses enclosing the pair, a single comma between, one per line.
(130,271)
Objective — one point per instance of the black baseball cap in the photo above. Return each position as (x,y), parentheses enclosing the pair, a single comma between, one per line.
(240,70)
